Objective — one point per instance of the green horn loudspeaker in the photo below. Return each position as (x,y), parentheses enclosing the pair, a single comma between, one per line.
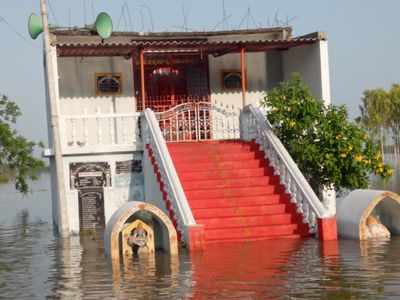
(103,25)
(35,26)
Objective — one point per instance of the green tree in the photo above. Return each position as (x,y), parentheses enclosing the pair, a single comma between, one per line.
(394,95)
(376,114)
(16,152)
(328,148)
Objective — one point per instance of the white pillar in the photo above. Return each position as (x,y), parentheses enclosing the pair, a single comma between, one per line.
(325,78)
(328,195)
(53,111)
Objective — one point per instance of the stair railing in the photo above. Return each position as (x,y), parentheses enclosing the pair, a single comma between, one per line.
(153,137)
(255,126)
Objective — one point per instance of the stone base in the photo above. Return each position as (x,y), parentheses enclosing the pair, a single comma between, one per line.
(196,238)
(327,229)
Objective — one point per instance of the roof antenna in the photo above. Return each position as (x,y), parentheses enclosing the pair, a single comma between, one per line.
(224,14)
(69,18)
(84,13)
(150,13)
(184,14)
(93,11)
(224,20)
(122,17)
(128,12)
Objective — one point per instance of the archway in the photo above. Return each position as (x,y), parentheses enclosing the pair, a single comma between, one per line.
(164,230)
(353,211)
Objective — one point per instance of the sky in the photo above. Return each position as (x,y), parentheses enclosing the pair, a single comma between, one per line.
(363,36)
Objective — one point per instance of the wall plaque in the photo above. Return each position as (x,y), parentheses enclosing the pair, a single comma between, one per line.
(91,209)
(128,166)
(89,175)
(129,173)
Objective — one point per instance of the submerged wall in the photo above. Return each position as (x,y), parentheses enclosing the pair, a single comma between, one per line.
(108,180)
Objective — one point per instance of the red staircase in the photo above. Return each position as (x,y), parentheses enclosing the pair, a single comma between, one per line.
(232,191)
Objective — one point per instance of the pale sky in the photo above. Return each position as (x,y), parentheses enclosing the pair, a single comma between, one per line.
(363,39)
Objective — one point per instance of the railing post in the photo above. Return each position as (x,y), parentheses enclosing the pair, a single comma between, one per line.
(99,129)
(73,131)
(243,74)
(85,128)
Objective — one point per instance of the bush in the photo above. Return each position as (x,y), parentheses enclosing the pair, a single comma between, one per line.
(330,150)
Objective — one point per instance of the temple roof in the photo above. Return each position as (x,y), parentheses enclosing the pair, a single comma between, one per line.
(86,42)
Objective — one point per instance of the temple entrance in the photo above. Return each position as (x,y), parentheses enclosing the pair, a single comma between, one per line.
(177,90)
(173,80)
(189,121)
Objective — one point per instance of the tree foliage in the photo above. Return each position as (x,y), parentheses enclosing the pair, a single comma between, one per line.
(16,152)
(380,115)
(328,148)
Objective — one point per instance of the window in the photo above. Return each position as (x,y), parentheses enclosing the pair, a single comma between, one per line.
(231,80)
(108,83)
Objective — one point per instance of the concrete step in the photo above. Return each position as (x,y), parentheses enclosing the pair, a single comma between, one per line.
(230,183)
(251,232)
(233,222)
(238,201)
(242,211)
(234,192)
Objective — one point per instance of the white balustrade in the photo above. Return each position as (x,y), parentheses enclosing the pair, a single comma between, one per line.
(255,126)
(153,137)
(200,121)
(100,132)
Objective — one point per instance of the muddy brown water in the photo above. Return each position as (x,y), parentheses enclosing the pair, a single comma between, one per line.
(34,264)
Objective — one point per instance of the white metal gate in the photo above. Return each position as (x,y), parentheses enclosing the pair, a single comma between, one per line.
(199,121)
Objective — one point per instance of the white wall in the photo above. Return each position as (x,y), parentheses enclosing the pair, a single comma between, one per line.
(121,191)
(256,78)
(78,88)
(312,63)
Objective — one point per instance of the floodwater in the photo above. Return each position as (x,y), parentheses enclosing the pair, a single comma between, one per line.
(36,265)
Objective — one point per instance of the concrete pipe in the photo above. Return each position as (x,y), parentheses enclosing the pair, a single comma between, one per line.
(355,211)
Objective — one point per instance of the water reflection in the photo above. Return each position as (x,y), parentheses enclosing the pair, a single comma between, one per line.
(35,265)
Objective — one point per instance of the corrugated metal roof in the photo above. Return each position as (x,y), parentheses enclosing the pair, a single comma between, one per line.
(172,35)
(175,43)
(81,42)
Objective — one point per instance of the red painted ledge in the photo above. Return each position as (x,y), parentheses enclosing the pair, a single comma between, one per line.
(327,229)
(196,238)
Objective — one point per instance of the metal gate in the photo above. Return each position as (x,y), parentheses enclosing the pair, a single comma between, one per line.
(199,121)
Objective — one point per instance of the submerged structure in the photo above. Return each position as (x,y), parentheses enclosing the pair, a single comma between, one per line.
(360,207)
(173,119)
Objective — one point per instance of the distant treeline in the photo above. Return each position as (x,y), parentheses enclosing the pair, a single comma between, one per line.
(7,174)
(380,116)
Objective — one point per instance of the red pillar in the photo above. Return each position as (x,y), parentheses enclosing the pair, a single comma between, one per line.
(196,238)
(327,229)
(142,83)
(243,74)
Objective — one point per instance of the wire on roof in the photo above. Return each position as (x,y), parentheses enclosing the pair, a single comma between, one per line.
(16,32)
(52,12)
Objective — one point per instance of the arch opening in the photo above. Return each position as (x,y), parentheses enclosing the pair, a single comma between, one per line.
(136,225)
(383,210)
